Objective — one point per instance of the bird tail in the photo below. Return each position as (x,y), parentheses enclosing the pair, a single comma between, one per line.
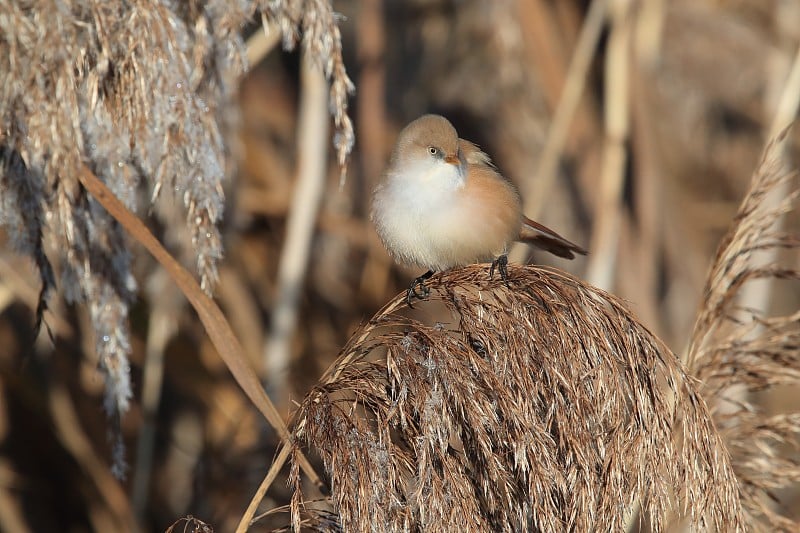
(548,240)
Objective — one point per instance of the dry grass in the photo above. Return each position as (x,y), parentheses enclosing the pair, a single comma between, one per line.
(141,93)
(736,351)
(544,405)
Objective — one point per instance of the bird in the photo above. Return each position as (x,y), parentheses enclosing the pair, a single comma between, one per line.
(441,203)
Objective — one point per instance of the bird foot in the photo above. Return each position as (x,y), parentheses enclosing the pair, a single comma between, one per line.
(501,264)
(417,289)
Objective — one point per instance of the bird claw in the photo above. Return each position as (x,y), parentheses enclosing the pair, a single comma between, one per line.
(417,289)
(501,264)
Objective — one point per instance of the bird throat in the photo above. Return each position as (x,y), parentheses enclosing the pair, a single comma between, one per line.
(439,175)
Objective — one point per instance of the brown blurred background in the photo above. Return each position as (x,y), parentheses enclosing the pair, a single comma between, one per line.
(674,107)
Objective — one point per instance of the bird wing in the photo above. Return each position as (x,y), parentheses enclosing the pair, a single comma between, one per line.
(543,237)
(531,232)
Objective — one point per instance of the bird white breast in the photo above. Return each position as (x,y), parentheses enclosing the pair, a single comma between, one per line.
(425,186)
(415,210)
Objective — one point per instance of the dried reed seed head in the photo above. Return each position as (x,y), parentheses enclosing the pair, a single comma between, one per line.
(140,93)
(736,350)
(544,405)
(753,230)
(134,91)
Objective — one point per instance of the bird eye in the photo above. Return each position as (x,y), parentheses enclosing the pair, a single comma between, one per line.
(433,150)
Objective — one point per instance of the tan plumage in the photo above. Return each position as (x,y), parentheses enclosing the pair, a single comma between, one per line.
(442,203)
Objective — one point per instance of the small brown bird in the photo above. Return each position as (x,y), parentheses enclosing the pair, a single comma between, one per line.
(442,204)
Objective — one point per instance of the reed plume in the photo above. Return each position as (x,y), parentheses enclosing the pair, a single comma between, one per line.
(736,350)
(140,94)
(541,405)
